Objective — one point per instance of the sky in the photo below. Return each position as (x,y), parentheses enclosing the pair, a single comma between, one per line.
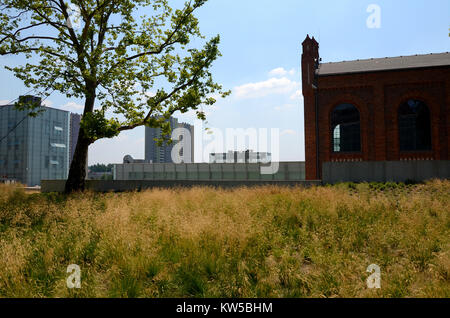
(260,63)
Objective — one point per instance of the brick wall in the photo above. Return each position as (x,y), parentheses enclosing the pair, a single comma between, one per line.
(377,95)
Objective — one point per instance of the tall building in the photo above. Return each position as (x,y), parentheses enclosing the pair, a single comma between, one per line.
(35,148)
(163,153)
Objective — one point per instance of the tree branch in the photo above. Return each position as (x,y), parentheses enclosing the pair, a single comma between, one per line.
(17,16)
(33,49)
(176,90)
(168,40)
(21,29)
(43,38)
(163,45)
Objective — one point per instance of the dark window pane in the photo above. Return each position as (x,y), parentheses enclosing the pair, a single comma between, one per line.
(414,126)
(345,128)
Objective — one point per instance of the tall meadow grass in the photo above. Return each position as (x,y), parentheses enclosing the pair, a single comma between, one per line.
(247,242)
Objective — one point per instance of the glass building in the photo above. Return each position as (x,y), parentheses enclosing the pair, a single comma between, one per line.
(34,148)
(163,153)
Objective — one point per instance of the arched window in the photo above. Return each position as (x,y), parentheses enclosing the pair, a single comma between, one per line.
(414,126)
(345,128)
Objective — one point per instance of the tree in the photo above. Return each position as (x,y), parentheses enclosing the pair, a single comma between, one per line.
(129,71)
(98,167)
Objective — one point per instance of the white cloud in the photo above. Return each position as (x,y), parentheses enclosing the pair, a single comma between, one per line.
(47,103)
(280,71)
(146,96)
(191,115)
(285,107)
(4,102)
(123,138)
(288,132)
(138,87)
(72,106)
(261,89)
(297,95)
(216,96)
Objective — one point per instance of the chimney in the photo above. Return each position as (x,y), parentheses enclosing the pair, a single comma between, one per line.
(310,62)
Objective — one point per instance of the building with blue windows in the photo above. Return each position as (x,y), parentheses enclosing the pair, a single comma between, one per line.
(35,148)
(155,153)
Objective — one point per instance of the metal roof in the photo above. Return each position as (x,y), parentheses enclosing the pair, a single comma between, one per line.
(383,64)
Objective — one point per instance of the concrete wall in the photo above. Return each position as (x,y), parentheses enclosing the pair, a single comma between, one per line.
(288,171)
(131,185)
(383,171)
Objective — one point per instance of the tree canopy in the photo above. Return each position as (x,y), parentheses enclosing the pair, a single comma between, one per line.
(130,68)
(112,57)
(99,167)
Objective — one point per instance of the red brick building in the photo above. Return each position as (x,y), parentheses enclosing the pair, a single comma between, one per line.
(387,109)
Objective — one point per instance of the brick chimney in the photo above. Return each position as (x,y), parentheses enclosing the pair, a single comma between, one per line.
(310,62)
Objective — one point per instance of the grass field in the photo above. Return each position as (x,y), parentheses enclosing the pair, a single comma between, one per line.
(247,242)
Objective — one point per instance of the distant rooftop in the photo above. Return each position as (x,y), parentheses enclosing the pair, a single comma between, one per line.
(38,99)
(46,107)
(387,63)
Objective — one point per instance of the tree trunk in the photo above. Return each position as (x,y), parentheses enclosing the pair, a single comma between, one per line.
(77,173)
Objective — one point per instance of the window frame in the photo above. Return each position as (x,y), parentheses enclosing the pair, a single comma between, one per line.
(333,127)
(399,135)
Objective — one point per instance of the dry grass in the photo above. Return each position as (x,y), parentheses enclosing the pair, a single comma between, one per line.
(247,242)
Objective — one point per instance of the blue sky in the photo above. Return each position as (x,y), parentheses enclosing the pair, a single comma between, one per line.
(261,48)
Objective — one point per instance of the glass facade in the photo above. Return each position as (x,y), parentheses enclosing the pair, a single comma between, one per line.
(35,148)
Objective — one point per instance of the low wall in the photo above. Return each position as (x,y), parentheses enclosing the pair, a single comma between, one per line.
(131,185)
(286,171)
(384,171)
